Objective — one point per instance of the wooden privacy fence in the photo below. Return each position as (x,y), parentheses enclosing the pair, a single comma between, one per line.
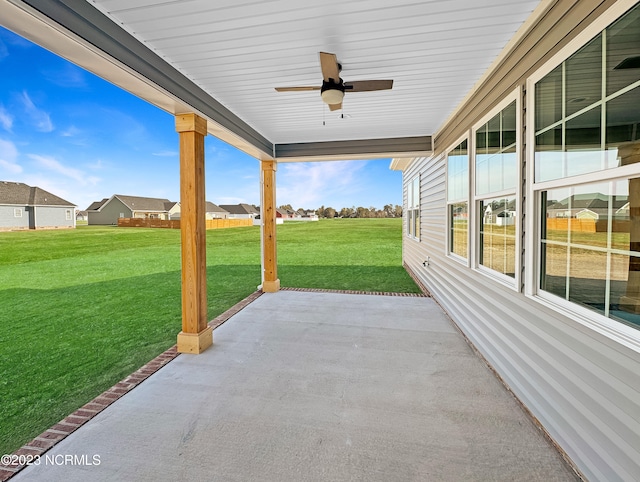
(228,223)
(175,223)
(588,225)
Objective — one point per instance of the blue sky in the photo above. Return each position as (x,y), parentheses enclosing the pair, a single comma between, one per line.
(69,132)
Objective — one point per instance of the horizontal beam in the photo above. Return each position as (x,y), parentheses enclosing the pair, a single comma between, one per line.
(355,149)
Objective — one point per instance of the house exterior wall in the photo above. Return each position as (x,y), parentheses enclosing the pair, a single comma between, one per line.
(36,217)
(578,379)
(109,213)
(150,214)
(9,221)
(174,212)
(217,215)
(54,217)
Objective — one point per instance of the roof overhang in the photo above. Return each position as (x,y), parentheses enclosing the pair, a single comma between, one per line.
(222,61)
(401,163)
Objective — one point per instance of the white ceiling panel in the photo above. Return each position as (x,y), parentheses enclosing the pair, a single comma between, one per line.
(239,51)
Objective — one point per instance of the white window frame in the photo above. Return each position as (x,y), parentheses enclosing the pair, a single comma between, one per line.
(516,282)
(68,214)
(17,212)
(615,330)
(470,145)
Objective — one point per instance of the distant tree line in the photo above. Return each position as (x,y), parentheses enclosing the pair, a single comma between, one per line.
(388,211)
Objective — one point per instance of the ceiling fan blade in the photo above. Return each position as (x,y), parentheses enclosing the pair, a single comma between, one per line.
(296,89)
(368,85)
(329,67)
(333,107)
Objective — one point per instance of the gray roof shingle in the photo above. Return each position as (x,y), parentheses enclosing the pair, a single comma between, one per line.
(214,208)
(97,205)
(18,193)
(241,208)
(137,203)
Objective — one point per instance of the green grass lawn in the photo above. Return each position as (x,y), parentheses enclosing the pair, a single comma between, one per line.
(82,309)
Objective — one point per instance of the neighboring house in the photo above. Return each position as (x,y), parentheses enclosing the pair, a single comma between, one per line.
(213,211)
(81,215)
(282,213)
(588,206)
(30,207)
(240,211)
(173,209)
(310,215)
(117,206)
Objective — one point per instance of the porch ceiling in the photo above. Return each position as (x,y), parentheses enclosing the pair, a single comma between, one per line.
(223,59)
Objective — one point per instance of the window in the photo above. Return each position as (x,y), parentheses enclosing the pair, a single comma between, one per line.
(587,176)
(458,199)
(413,208)
(17,213)
(496,178)
(68,214)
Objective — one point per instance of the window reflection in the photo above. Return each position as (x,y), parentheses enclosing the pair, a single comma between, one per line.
(588,278)
(554,269)
(623,43)
(623,124)
(459,215)
(498,235)
(496,157)
(458,172)
(590,246)
(584,77)
(590,233)
(549,157)
(577,130)
(549,99)
(457,195)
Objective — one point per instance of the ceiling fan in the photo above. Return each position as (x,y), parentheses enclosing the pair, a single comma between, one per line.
(333,87)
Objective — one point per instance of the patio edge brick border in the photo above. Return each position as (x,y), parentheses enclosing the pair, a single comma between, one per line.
(37,447)
(354,292)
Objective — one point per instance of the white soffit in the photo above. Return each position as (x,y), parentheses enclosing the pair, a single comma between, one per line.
(239,50)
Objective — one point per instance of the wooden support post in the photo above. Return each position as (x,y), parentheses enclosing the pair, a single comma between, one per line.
(270,281)
(195,336)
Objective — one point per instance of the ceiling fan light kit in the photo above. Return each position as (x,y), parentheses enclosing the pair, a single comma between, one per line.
(331,92)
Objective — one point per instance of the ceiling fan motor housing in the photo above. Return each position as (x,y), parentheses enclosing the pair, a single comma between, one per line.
(332,93)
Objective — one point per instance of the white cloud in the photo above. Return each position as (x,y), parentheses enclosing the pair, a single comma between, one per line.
(8,158)
(96,166)
(68,75)
(6,120)
(40,119)
(310,184)
(166,154)
(71,131)
(4,51)
(52,164)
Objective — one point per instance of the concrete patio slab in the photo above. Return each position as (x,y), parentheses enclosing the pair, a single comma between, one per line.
(318,387)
